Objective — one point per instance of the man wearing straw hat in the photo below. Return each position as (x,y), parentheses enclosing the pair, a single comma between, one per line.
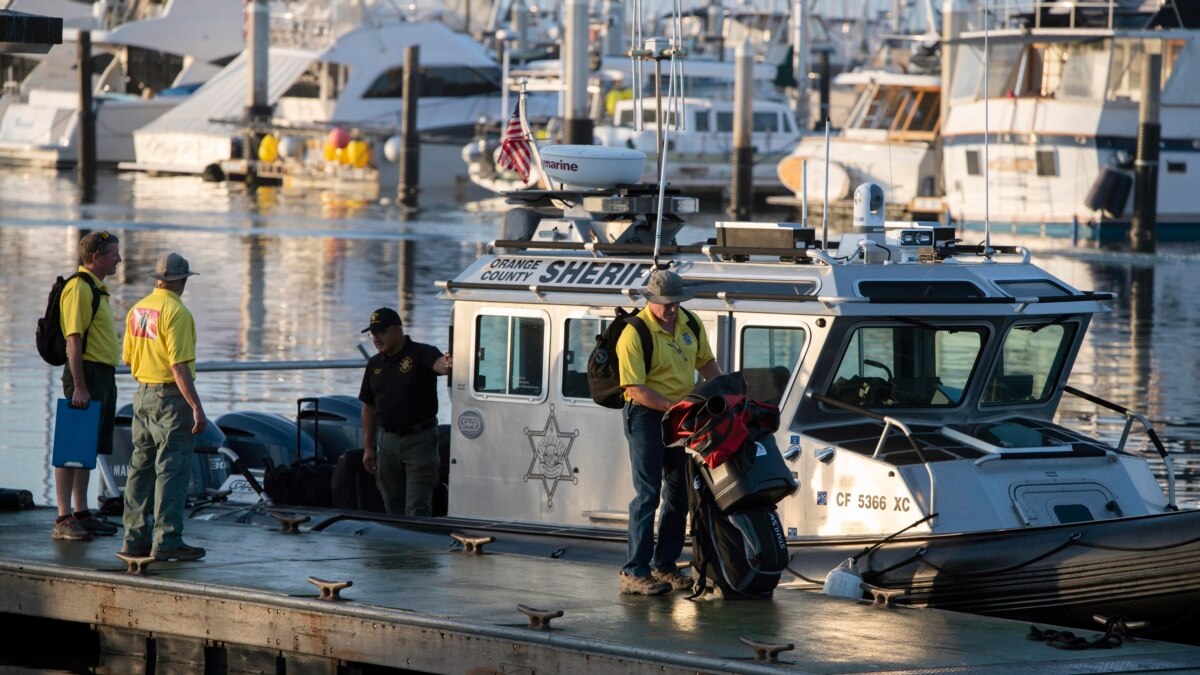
(680,349)
(160,348)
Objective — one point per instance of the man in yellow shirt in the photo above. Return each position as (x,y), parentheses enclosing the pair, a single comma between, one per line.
(680,349)
(90,375)
(160,348)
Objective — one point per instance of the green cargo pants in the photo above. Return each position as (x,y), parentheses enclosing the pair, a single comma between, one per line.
(159,471)
(406,471)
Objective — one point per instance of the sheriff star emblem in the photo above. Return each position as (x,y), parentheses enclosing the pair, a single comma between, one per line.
(551,456)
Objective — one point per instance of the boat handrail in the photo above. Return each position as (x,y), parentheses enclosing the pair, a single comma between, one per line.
(1130,416)
(888,423)
(710,251)
(731,296)
(252,366)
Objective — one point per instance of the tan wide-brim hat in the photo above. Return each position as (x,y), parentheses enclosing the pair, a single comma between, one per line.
(171,267)
(666,287)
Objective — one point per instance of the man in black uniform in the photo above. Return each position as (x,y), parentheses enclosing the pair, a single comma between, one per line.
(399,398)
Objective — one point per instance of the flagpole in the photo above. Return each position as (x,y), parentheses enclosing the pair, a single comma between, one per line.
(537,157)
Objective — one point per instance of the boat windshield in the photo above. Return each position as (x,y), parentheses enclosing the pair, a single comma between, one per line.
(1031,362)
(907,366)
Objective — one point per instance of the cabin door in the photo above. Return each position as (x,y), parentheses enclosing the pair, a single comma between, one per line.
(767,349)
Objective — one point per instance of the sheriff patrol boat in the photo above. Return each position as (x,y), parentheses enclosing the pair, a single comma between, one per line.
(918,382)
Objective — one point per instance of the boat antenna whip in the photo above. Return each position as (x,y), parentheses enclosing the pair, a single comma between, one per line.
(804,196)
(635,65)
(825,203)
(663,130)
(987,223)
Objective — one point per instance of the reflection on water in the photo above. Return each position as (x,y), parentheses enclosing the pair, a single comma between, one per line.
(294,275)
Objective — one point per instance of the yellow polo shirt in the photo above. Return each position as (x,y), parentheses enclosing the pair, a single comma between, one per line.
(75,308)
(159,332)
(674,361)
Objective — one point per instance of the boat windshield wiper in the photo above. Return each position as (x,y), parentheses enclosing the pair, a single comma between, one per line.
(1033,328)
(922,324)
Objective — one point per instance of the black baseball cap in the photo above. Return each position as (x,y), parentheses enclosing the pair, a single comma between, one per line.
(384,317)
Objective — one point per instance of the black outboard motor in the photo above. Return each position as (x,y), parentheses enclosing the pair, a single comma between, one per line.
(334,421)
(263,440)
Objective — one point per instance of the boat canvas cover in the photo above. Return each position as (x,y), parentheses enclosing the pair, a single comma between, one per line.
(205,30)
(222,97)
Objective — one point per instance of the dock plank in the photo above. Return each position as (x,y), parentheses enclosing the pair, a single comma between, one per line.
(429,607)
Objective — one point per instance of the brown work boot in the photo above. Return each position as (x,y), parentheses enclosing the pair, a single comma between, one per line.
(181,552)
(678,580)
(69,529)
(631,585)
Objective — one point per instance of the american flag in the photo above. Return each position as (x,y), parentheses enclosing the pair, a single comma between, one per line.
(515,153)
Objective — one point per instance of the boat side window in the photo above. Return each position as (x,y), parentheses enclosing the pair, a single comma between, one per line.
(509,355)
(650,117)
(701,120)
(580,340)
(1085,70)
(724,121)
(1030,363)
(769,354)
(766,122)
(445,81)
(907,366)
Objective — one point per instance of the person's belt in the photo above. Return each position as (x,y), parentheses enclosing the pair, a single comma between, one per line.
(156,385)
(412,428)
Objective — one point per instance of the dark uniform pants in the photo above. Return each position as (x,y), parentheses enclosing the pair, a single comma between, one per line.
(406,471)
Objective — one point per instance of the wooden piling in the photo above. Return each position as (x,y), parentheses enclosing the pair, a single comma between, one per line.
(1142,236)
(742,190)
(410,141)
(258,107)
(86,155)
(577,128)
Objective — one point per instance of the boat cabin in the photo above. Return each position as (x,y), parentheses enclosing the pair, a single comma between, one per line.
(915,376)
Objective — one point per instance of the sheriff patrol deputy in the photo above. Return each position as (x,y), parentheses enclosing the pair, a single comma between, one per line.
(399,415)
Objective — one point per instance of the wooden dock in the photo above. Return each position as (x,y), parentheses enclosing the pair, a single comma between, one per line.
(248,607)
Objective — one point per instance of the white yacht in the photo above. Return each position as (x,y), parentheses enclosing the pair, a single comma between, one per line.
(699,145)
(889,138)
(324,75)
(1065,82)
(147,58)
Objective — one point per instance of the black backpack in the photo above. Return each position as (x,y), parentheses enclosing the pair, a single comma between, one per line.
(604,372)
(742,553)
(51,343)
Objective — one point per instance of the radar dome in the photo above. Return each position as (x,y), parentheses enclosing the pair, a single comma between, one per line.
(592,166)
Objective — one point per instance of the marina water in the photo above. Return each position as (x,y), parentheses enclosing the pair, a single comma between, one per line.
(294,275)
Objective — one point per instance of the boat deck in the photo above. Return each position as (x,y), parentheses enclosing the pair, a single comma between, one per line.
(434,608)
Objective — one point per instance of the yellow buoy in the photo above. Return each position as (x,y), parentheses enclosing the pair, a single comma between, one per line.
(268,149)
(358,153)
(329,152)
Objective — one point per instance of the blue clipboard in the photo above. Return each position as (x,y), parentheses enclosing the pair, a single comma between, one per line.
(76,431)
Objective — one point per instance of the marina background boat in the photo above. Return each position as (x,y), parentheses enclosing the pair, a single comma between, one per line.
(289,275)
